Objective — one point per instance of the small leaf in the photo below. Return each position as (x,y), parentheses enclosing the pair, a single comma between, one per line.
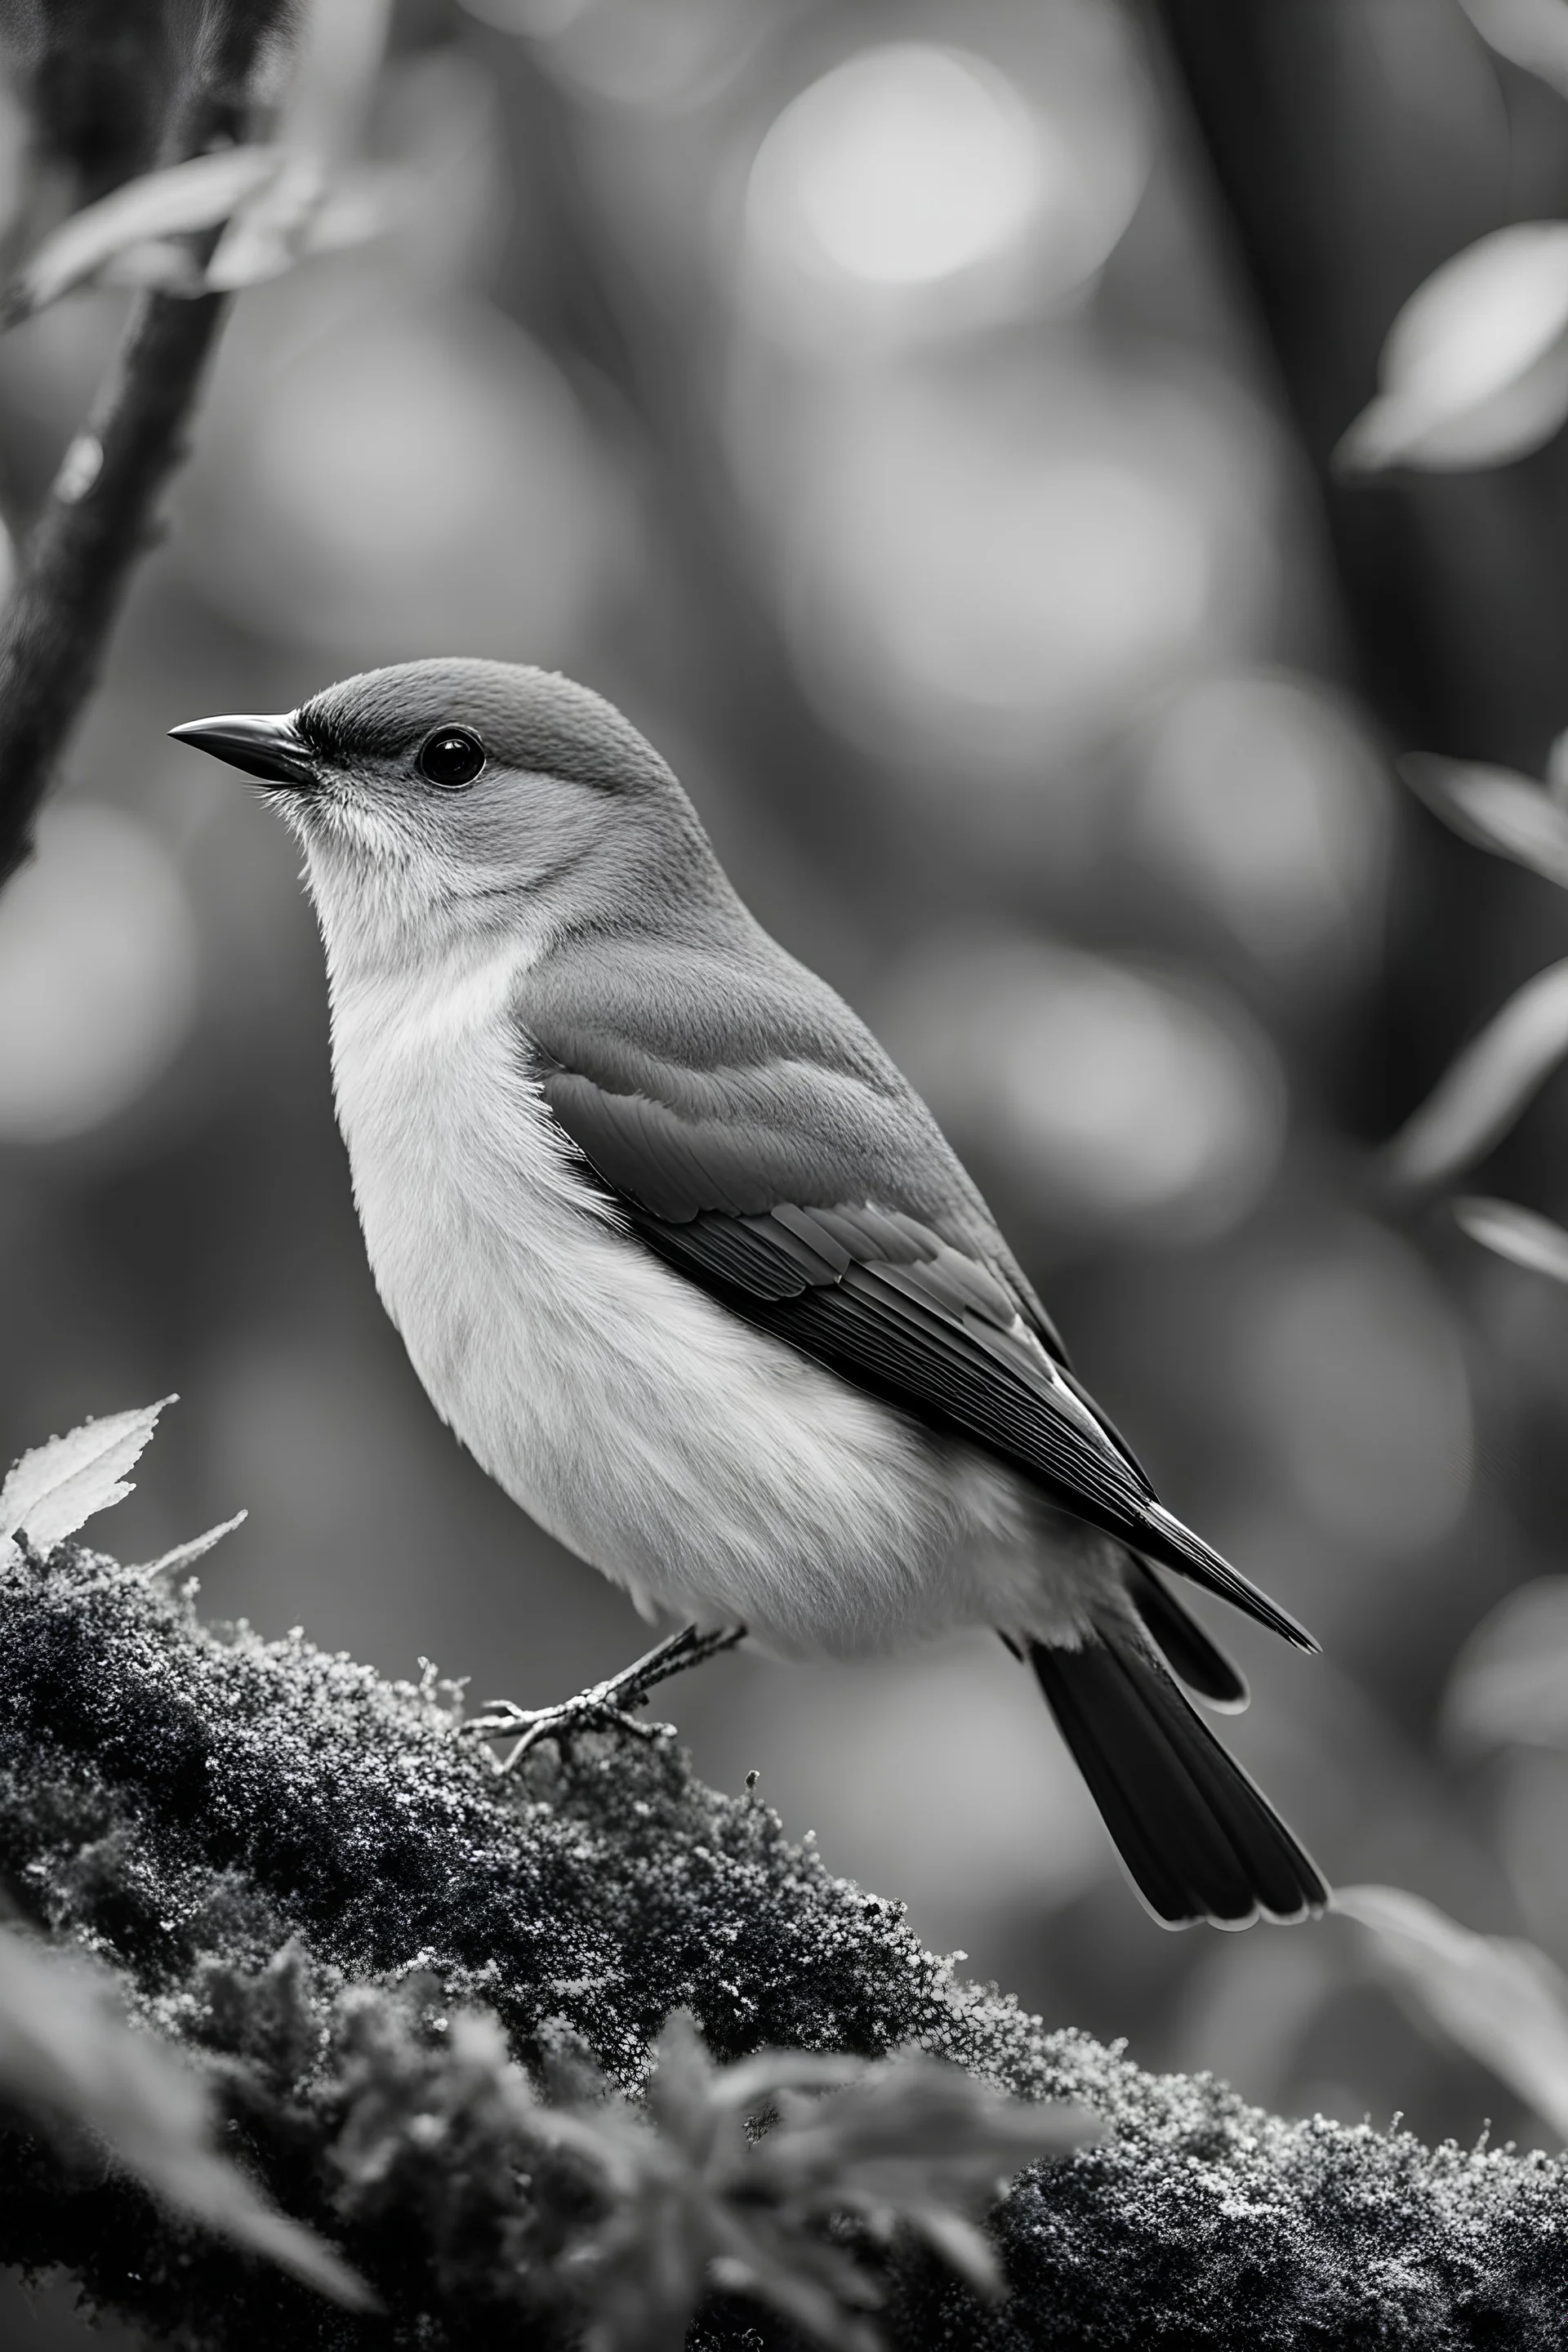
(359,206)
(71,2064)
(1502,2000)
(1516,1233)
(53,1490)
(1497,810)
(341,48)
(1530,33)
(161,264)
(1475,368)
(174,201)
(1510,1682)
(186,1554)
(1487,1084)
(264,237)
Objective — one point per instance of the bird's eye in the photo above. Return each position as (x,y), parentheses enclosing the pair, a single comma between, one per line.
(451,758)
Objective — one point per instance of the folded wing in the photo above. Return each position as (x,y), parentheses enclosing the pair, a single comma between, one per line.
(714,1171)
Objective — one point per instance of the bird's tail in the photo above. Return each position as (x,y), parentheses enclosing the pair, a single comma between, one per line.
(1187,1647)
(1199,1840)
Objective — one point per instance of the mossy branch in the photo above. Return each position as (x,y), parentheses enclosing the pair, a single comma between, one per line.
(304,1873)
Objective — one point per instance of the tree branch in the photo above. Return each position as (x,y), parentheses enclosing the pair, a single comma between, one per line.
(101,515)
(309,1878)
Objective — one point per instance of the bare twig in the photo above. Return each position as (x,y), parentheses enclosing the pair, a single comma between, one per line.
(100,514)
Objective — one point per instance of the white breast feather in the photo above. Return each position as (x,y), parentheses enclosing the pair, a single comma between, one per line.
(708,1468)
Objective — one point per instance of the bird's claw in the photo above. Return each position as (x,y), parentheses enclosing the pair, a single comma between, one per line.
(599,1709)
(606,1704)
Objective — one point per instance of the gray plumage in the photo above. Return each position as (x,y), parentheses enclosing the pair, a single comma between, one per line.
(683,1258)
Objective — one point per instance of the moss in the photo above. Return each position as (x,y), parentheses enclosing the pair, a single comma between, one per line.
(302,1871)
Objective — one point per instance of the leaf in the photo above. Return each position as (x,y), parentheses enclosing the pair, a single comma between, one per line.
(71,2064)
(341,48)
(914,2114)
(1475,368)
(265,236)
(54,1490)
(1497,810)
(1502,2000)
(1486,1086)
(693,2200)
(174,201)
(1530,33)
(318,218)
(1516,1233)
(1510,1682)
(186,1554)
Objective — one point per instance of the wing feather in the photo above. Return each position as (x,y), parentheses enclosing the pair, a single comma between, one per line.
(917,1300)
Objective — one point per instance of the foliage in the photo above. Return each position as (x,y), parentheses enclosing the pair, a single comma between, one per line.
(1495,1996)
(74,2069)
(55,1489)
(691,2197)
(412,1982)
(1500,1998)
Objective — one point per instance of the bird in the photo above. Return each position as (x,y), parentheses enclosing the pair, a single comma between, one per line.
(684,1261)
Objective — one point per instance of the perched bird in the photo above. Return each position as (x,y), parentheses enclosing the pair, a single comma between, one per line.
(688,1265)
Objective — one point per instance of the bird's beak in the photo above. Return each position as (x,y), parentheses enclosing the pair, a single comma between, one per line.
(271,747)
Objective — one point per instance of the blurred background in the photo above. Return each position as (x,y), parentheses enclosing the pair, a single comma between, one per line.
(919,419)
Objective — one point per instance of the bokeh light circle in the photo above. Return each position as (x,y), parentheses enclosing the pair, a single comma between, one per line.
(900,166)
(915,184)
(984,571)
(1260,798)
(99,966)
(393,473)
(1105,1098)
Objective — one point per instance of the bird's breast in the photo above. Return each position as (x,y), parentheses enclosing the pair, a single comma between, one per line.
(472,1213)
(710,1468)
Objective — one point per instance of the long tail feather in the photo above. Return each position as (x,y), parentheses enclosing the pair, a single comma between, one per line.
(1189,1650)
(1164,1539)
(1200,1841)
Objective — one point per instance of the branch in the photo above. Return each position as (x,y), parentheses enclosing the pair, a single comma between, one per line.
(305,1874)
(101,515)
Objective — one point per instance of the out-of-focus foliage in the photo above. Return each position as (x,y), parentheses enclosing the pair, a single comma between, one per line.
(1497,810)
(1511,1680)
(693,2200)
(1487,1086)
(1519,1234)
(72,2069)
(1475,369)
(274,203)
(1498,1996)
(1533,33)
(124,239)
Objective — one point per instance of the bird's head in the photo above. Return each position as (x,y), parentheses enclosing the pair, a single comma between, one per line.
(443,799)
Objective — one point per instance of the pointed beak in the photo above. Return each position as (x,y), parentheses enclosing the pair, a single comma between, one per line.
(272,749)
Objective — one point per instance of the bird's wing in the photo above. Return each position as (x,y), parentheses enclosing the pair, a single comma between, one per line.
(771,1182)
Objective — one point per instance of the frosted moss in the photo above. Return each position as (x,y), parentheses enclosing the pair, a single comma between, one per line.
(302,1872)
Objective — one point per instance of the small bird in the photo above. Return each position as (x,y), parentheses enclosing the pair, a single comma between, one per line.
(691,1270)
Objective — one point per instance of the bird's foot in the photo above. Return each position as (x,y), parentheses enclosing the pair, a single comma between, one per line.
(604,1704)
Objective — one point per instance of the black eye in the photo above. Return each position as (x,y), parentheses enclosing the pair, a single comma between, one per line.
(452,757)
